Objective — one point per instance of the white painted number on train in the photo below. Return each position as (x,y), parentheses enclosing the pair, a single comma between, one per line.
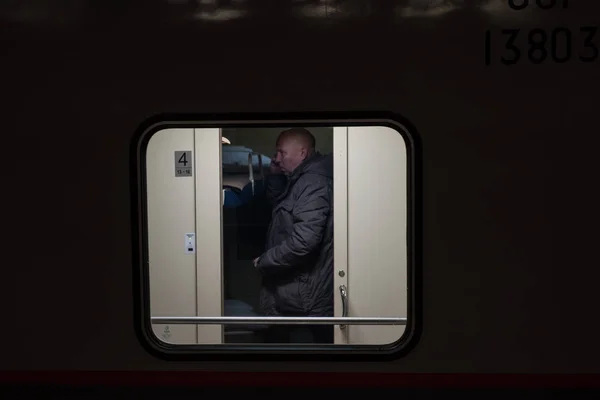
(183,163)
(556,45)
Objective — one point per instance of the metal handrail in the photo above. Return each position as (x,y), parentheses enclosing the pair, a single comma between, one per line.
(251,168)
(278,320)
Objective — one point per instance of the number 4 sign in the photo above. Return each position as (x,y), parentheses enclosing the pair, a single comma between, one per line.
(183,163)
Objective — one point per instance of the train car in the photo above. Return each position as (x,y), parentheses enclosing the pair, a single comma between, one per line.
(462,136)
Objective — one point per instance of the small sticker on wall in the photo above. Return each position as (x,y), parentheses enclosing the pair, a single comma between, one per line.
(167,333)
(190,243)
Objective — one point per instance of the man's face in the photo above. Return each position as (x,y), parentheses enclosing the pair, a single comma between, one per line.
(290,154)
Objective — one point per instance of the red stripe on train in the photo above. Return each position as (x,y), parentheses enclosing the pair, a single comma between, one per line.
(271,379)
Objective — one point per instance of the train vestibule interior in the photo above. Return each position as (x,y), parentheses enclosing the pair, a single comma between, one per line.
(246,158)
(207,218)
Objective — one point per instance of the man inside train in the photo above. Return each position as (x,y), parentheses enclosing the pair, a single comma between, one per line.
(297,267)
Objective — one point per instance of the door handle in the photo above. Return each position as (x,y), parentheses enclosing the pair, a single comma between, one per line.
(344,294)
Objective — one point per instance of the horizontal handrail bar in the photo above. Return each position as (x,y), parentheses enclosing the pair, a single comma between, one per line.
(277,321)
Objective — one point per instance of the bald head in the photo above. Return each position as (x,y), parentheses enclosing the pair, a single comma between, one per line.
(293,147)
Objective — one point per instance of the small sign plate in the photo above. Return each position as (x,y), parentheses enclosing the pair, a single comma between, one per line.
(183,163)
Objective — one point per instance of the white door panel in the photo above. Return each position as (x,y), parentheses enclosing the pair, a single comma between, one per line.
(183,282)
(340,226)
(208,202)
(370,245)
(171,212)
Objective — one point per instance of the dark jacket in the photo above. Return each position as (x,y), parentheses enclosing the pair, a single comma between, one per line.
(297,267)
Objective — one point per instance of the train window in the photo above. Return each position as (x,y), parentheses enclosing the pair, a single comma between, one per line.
(262,237)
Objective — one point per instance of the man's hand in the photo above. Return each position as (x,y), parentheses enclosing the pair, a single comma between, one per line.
(274,167)
(255,261)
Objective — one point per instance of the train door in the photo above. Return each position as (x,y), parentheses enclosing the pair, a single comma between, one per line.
(183,186)
(370,220)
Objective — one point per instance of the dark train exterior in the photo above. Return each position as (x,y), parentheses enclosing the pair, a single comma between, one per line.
(507,126)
